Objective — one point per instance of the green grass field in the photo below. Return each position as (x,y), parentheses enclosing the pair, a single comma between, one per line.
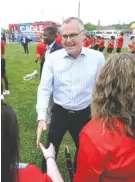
(23,99)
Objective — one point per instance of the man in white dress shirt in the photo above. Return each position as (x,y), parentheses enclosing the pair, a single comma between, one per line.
(70,74)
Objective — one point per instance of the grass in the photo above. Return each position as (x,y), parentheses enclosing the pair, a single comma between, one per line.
(23,99)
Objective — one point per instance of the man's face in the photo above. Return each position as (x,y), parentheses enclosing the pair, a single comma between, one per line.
(72,38)
(48,38)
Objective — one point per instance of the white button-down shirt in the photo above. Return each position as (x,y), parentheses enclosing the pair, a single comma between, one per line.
(70,79)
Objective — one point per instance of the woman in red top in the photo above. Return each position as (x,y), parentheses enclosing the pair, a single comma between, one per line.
(11,170)
(107,143)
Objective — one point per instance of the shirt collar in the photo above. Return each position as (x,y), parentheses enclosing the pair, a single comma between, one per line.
(83,52)
(51,45)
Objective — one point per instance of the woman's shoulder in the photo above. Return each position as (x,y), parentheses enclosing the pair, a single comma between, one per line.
(92,125)
(31,173)
(96,125)
(99,134)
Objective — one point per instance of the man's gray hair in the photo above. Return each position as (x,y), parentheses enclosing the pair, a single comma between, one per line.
(80,22)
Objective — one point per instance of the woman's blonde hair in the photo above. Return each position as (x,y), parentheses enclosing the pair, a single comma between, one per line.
(114,94)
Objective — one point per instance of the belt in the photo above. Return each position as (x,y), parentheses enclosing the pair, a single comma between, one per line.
(72,111)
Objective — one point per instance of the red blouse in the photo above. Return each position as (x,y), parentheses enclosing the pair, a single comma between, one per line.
(31,173)
(104,157)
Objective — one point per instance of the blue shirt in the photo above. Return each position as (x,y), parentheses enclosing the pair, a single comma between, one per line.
(70,79)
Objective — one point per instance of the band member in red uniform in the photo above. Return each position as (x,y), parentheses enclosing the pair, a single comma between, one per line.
(111,44)
(97,42)
(40,49)
(58,39)
(120,41)
(92,39)
(131,46)
(3,72)
(101,44)
(87,42)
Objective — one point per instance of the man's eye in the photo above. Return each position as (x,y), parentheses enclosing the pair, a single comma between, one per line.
(65,36)
(72,35)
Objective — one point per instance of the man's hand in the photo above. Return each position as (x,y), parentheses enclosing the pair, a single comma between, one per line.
(42,126)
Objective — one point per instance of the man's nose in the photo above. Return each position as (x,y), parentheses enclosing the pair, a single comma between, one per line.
(69,39)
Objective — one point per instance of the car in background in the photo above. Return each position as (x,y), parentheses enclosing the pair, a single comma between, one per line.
(99,34)
(107,34)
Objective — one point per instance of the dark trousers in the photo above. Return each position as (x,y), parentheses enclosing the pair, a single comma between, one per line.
(95,47)
(118,50)
(3,75)
(109,50)
(101,49)
(26,49)
(62,121)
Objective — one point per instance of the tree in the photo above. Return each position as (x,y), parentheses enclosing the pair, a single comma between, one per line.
(89,26)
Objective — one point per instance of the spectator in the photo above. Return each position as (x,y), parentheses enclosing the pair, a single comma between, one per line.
(25,41)
(3,72)
(11,169)
(40,52)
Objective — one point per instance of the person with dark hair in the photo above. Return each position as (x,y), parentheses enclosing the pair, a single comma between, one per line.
(101,44)
(25,42)
(87,42)
(107,143)
(49,38)
(111,44)
(96,43)
(120,41)
(3,72)
(11,169)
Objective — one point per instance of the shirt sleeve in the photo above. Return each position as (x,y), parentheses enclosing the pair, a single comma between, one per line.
(45,89)
(101,64)
(90,163)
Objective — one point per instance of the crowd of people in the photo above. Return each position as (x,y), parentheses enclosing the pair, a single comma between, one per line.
(74,76)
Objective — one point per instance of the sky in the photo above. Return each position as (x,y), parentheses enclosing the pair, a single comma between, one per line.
(107,11)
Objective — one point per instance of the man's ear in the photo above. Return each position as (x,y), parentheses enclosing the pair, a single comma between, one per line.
(83,36)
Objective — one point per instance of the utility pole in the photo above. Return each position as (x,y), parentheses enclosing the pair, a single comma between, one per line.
(79,10)
(98,27)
